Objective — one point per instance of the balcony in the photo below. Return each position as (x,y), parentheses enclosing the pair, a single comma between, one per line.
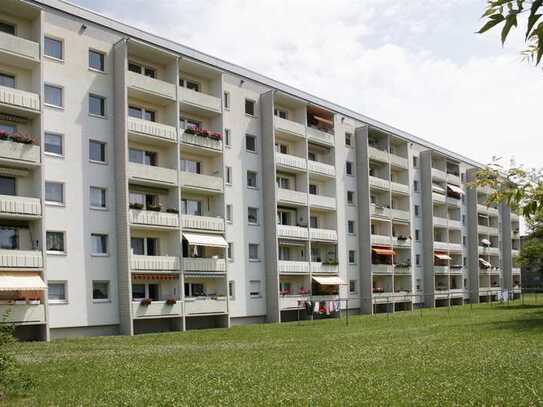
(21,258)
(481,208)
(495,251)
(23,313)
(319,136)
(400,214)
(441,222)
(290,162)
(380,211)
(455,247)
(444,246)
(205,305)
(322,168)
(215,265)
(381,239)
(453,179)
(289,196)
(202,182)
(440,198)
(289,127)
(215,224)
(201,101)
(379,182)
(401,242)
(401,188)
(402,270)
(456,270)
(19,206)
(201,141)
(153,218)
(516,270)
(323,202)
(292,232)
(441,269)
(439,174)
(328,235)
(156,309)
(378,154)
(382,268)
(399,161)
(455,224)
(20,99)
(289,267)
(151,174)
(151,129)
(24,153)
(488,230)
(145,87)
(154,263)
(20,50)
(323,268)
(292,301)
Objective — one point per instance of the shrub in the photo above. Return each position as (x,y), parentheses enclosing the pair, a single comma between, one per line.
(171,301)
(146,302)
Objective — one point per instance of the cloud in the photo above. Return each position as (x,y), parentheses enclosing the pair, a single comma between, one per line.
(418,67)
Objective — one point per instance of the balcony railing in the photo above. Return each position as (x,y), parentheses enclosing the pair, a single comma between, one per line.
(20,99)
(321,201)
(379,182)
(441,222)
(292,301)
(441,245)
(318,267)
(21,258)
(320,136)
(148,128)
(381,239)
(153,218)
(200,141)
(382,268)
(441,269)
(154,263)
(516,270)
(322,168)
(289,127)
(455,247)
(19,46)
(215,224)
(399,161)
(439,174)
(292,232)
(441,198)
(323,234)
(401,242)
(455,224)
(152,174)
(378,154)
(205,305)
(488,230)
(489,250)
(290,161)
(23,313)
(156,309)
(199,99)
(400,214)
(291,196)
(285,266)
(202,182)
(397,187)
(150,85)
(204,264)
(402,270)
(11,150)
(19,205)
(487,209)
(380,211)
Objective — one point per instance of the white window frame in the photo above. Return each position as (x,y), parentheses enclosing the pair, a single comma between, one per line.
(253,259)
(62,138)
(62,48)
(64,241)
(228,177)
(62,96)
(256,179)
(103,99)
(253,137)
(245,107)
(349,257)
(227,101)
(105,152)
(103,54)
(63,190)
(55,301)
(229,213)
(108,291)
(106,253)
(255,294)
(227,138)
(100,208)
(257,216)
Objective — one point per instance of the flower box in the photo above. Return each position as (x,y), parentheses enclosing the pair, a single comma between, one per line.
(146,302)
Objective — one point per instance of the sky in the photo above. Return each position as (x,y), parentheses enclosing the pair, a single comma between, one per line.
(417,65)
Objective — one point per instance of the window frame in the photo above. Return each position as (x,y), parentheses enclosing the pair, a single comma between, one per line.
(102,143)
(103,60)
(64,243)
(257,217)
(251,173)
(254,245)
(106,241)
(255,294)
(226,100)
(99,208)
(251,137)
(64,283)
(108,291)
(253,103)
(62,46)
(353,257)
(103,106)
(62,95)
(61,203)
(49,153)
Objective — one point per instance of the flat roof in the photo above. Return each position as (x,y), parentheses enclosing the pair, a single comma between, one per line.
(115,25)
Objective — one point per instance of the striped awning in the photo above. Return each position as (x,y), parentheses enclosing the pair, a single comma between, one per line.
(442,256)
(484,263)
(21,281)
(383,251)
(200,239)
(455,189)
(329,280)
(151,276)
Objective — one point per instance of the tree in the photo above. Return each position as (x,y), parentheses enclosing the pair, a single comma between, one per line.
(507,12)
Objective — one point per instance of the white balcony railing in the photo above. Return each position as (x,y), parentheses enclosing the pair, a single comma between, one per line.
(285,266)
(292,232)
(440,198)
(289,127)
(205,305)
(155,309)
(204,264)
(378,154)
(19,46)
(150,85)
(19,98)
(329,235)
(21,258)
(154,263)
(400,214)
(487,209)
(290,161)
(381,239)
(19,205)
(380,211)
(322,168)
(318,267)
(320,136)
(199,99)
(291,196)
(148,128)
(397,187)
(215,224)
(455,247)
(489,250)
(398,161)
(23,313)
(403,270)
(152,174)
(292,301)
(321,201)
(401,242)
(439,174)
(202,182)
(153,218)
(379,182)
(441,269)
(29,153)
(200,141)
(441,245)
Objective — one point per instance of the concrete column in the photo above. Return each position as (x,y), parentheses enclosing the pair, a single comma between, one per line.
(427,208)
(506,247)
(473,237)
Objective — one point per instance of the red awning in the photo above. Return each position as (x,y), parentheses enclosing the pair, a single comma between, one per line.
(383,251)
(167,277)
(442,256)
(323,120)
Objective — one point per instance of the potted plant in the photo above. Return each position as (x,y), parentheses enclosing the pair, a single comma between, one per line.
(146,302)
(137,206)
(190,130)
(215,135)
(172,210)
(171,301)
(20,301)
(286,291)
(303,291)
(34,301)
(154,208)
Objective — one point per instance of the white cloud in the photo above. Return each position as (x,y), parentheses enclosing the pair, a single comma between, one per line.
(417,67)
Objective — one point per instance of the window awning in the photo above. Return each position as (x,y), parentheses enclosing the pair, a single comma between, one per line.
(329,280)
(323,120)
(21,281)
(438,188)
(151,276)
(198,239)
(485,242)
(484,262)
(442,256)
(383,251)
(455,189)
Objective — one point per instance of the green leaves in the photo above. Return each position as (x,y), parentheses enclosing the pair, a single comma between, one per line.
(494,20)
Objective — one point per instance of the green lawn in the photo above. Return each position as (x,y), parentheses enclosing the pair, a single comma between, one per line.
(491,355)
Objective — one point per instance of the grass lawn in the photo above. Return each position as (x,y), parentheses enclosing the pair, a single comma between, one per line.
(491,355)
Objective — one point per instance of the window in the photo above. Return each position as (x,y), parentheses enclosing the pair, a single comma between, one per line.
(150,158)
(252,179)
(54,193)
(8,185)
(189,123)
(53,95)
(194,167)
(98,244)
(56,292)
(415,161)
(281,148)
(350,227)
(254,288)
(252,215)
(147,290)
(54,144)
(189,84)
(463,219)
(9,238)
(232,289)
(7,80)
(229,213)
(98,198)
(96,60)
(250,143)
(352,286)
(230,251)
(97,151)
(348,139)
(8,128)
(100,291)
(350,197)
(311,156)
(416,186)
(7,28)
(97,105)
(253,251)
(417,210)
(419,281)
(352,257)
(227,100)
(349,168)
(464,240)
(229,175)
(227,140)
(283,217)
(144,246)
(313,222)
(55,242)
(282,182)
(313,189)
(281,113)
(191,207)
(417,259)
(417,234)
(53,48)
(140,113)
(250,107)
(142,70)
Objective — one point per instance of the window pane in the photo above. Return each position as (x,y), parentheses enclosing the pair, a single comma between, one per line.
(54,192)
(253,251)
(132,67)
(7,186)
(97,197)
(53,48)
(97,151)
(55,241)
(97,105)
(96,60)
(99,244)
(149,115)
(138,291)
(152,246)
(53,95)
(249,107)
(135,112)
(100,290)
(137,245)
(250,143)
(53,143)
(153,292)
(7,28)
(135,156)
(56,291)
(8,238)
(7,80)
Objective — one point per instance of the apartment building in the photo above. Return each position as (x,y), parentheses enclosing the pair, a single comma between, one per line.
(147,187)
